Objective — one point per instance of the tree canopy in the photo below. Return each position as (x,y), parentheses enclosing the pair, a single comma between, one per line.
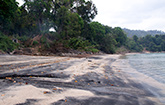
(74,28)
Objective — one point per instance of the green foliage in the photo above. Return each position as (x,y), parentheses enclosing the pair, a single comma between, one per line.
(120,36)
(35,43)
(135,38)
(133,45)
(154,44)
(23,38)
(24,23)
(6,44)
(45,42)
(72,21)
(39,11)
(142,33)
(106,37)
(87,10)
(108,44)
(150,43)
(122,50)
(99,31)
(7,13)
(69,24)
(94,50)
(81,44)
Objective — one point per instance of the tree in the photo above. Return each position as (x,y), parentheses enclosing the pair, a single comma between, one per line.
(99,31)
(6,44)
(104,37)
(87,10)
(135,38)
(63,13)
(163,45)
(68,24)
(108,30)
(120,36)
(133,45)
(108,44)
(40,10)
(7,13)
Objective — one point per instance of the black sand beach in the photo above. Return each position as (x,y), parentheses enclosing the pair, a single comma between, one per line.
(30,80)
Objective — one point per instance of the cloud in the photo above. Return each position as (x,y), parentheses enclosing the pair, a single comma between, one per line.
(133,14)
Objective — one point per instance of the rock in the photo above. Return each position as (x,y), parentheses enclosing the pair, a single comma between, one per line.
(89,60)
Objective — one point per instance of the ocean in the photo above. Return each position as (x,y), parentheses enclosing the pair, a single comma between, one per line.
(147,69)
(152,65)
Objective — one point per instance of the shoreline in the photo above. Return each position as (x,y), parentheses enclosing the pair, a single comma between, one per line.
(91,80)
(154,86)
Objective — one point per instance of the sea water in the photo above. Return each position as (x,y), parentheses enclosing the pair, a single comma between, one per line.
(152,65)
(148,69)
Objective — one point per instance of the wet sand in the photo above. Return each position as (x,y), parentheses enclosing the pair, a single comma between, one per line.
(97,80)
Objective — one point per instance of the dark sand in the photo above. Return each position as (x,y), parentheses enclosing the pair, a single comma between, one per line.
(97,80)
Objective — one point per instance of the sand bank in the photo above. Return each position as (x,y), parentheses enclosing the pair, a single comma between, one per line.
(72,81)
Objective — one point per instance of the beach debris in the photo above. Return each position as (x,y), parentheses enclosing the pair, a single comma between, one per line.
(112,84)
(106,77)
(45,92)
(3,95)
(30,65)
(26,83)
(65,100)
(17,69)
(54,88)
(9,78)
(75,81)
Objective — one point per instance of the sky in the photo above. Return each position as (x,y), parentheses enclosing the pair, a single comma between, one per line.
(132,14)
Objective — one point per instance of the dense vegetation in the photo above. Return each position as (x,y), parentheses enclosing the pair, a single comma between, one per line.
(142,33)
(6,43)
(74,28)
(71,19)
(156,43)
(148,43)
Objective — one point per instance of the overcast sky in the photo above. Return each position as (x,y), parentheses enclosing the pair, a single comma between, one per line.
(132,14)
